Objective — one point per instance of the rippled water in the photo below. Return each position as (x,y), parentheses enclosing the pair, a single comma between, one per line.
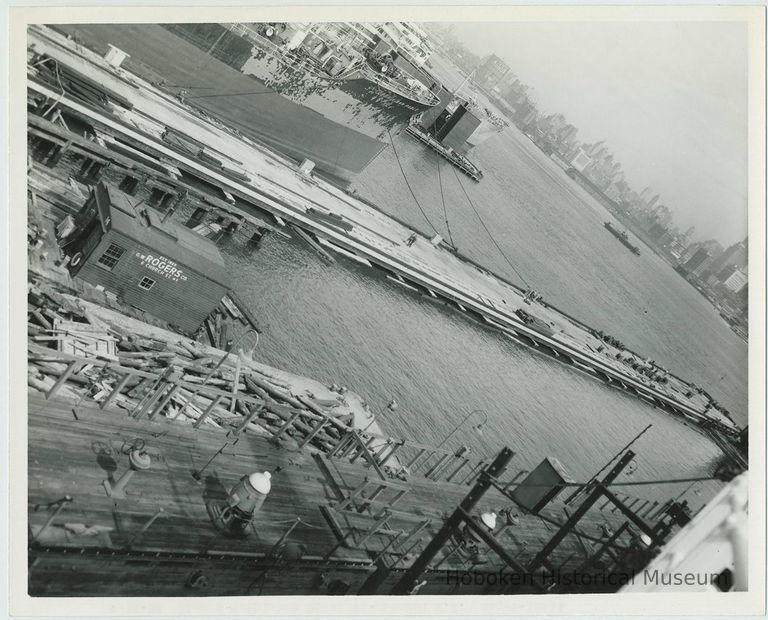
(343,323)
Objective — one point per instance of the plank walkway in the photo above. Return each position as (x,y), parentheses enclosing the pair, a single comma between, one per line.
(74,448)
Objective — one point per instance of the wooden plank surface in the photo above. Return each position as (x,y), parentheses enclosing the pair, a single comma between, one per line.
(73,453)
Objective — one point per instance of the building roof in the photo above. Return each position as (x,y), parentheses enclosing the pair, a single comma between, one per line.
(144,225)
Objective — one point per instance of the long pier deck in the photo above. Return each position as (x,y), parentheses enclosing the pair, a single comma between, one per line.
(273,184)
(160,539)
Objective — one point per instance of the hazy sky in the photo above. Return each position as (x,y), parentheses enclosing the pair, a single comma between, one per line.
(668,97)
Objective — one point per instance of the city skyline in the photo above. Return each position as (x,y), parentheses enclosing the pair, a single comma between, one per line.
(674,111)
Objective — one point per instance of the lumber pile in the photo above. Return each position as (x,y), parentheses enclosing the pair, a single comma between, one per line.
(174,377)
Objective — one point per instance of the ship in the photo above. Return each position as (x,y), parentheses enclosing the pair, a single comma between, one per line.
(455,126)
(622,236)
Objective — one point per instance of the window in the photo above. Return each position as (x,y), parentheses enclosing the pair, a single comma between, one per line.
(129,185)
(146,283)
(109,259)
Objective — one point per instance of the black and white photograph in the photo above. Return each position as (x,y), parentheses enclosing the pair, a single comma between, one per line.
(459,303)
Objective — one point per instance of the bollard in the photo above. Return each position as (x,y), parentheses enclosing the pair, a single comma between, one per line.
(138,460)
(61,503)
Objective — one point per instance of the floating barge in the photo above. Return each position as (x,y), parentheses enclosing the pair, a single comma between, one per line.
(461,162)
(622,236)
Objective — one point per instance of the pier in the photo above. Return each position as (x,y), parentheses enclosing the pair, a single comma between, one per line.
(349,511)
(264,186)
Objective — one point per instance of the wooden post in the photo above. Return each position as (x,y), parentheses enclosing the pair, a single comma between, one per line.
(437,465)
(474,473)
(207,411)
(407,552)
(159,391)
(163,403)
(235,385)
(539,559)
(359,451)
(380,521)
(62,503)
(606,545)
(391,453)
(318,427)
(467,505)
(410,463)
(457,470)
(145,527)
(642,525)
(252,413)
(116,391)
(345,503)
(73,367)
(343,441)
(288,423)
(386,547)
(650,509)
(491,541)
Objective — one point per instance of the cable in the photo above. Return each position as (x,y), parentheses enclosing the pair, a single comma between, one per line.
(394,150)
(442,198)
(499,485)
(471,204)
(258,92)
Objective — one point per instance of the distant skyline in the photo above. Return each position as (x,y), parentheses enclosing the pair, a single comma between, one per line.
(669,98)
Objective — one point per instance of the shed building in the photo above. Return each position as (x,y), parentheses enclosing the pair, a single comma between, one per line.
(157,266)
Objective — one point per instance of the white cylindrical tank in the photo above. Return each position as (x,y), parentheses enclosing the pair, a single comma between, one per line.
(248,495)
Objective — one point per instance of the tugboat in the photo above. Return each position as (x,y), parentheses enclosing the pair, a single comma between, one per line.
(622,236)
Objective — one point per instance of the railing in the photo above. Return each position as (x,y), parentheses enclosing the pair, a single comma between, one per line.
(426,98)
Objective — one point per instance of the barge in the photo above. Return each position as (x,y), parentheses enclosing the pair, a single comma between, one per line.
(622,236)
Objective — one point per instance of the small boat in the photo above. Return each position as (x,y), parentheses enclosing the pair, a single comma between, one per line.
(622,236)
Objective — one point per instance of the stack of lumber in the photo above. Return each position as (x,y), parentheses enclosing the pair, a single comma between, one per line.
(230,391)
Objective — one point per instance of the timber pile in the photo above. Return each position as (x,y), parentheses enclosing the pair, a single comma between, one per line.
(231,394)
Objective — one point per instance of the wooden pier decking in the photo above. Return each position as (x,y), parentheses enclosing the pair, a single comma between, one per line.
(96,545)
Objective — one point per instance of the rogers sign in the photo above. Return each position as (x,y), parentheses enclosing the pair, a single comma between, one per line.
(162,266)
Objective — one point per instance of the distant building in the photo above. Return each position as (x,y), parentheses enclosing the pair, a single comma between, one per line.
(491,71)
(656,231)
(736,282)
(581,161)
(736,255)
(697,260)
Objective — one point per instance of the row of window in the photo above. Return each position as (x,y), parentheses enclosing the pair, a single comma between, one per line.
(110,258)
